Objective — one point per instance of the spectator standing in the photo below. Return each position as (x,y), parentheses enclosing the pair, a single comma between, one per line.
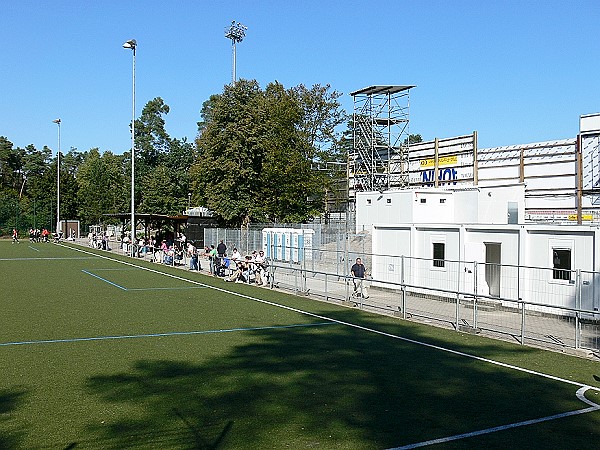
(358,271)
(193,255)
(221,249)
(212,259)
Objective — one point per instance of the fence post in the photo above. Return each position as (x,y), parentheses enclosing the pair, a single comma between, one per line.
(457,305)
(522,303)
(295,280)
(303,264)
(577,308)
(475,290)
(347,282)
(337,253)
(326,293)
(272,265)
(403,287)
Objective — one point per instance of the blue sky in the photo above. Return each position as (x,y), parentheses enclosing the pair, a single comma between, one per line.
(515,71)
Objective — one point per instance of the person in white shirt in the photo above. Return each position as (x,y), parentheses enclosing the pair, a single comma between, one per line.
(236,256)
(260,267)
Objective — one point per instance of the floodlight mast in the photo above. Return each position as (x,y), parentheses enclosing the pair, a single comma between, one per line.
(236,32)
(132,45)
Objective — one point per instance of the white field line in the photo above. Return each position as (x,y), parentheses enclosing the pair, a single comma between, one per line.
(580,396)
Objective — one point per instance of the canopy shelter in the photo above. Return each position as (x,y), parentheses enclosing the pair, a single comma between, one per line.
(151,221)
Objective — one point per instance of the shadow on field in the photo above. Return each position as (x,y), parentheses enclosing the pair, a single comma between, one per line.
(331,387)
(11,434)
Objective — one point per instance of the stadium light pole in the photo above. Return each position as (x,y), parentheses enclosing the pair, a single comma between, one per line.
(58,226)
(132,44)
(236,32)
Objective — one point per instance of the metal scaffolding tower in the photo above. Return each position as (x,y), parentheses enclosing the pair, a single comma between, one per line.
(379,157)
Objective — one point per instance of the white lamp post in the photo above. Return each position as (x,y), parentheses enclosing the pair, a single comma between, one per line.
(58,225)
(132,44)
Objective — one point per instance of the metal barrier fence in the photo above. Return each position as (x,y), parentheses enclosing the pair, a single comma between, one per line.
(527,305)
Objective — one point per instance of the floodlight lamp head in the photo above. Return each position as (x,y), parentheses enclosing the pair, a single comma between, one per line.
(236,32)
(130,44)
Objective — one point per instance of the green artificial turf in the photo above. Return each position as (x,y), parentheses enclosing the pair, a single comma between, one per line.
(109,352)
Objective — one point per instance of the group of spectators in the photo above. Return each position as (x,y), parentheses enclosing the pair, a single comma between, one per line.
(169,250)
(236,268)
(99,241)
(176,249)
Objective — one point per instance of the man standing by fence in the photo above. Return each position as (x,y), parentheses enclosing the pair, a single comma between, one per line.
(358,271)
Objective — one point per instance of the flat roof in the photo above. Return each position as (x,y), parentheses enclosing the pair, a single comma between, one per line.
(382,89)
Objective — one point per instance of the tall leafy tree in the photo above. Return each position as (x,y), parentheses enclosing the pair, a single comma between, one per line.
(151,138)
(255,150)
(158,155)
(321,118)
(102,186)
(228,155)
(11,165)
(178,162)
(159,193)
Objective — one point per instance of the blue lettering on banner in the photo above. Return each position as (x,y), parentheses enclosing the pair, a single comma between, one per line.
(448,175)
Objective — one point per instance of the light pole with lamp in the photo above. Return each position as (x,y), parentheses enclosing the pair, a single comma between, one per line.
(236,32)
(58,225)
(132,44)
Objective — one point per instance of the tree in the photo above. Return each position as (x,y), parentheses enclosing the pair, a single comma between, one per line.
(101,186)
(178,162)
(321,117)
(158,154)
(11,166)
(229,157)
(151,138)
(413,139)
(159,196)
(254,154)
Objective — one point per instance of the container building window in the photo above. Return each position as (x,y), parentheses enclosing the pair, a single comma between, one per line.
(439,254)
(561,259)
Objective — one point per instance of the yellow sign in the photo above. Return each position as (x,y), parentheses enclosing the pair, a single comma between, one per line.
(583,217)
(442,161)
